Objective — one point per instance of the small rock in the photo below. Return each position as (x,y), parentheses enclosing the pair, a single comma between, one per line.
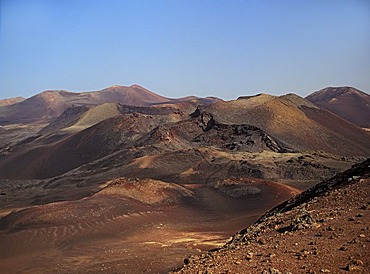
(343,248)
(354,241)
(325,270)
(354,265)
(249,256)
(358,262)
(271,271)
(305,252)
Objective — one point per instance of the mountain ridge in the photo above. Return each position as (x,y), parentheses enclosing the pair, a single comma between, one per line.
(49,104)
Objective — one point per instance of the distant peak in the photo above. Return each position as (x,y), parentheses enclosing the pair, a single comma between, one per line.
(328,93)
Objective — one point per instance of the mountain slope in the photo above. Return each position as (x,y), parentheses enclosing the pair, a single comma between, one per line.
(77,118)
(349,103)
(322,230)
(48,160)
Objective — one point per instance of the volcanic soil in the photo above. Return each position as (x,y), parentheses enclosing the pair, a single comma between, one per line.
(132,226)
(323,230)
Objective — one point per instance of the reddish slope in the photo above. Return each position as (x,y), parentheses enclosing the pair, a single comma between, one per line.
(322,230)
(349,103)
(131,226)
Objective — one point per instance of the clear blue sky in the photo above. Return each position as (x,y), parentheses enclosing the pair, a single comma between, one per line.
(181,47)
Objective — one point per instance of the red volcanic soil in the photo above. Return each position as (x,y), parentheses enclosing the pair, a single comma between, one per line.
(132,226)
(323,230)
(349,103)
(348,137)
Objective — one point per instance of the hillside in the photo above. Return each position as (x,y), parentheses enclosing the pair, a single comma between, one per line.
(295,122)
(349,103)
(77,118)
(322,230)
(44,160)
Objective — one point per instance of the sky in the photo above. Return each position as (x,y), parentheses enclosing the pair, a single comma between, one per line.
(223,48)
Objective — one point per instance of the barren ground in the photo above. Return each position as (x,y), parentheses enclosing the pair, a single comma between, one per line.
(329,233)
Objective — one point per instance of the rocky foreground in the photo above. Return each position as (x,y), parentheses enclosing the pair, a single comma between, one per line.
(323,230)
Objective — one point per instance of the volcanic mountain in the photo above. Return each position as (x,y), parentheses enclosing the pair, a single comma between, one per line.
(50,104)
(349,103)
(295,122)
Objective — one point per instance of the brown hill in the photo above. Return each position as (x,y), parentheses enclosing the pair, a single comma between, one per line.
(38,160)
(349,103)
(52,103)
(322,230)
(295,122)
(77,118)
